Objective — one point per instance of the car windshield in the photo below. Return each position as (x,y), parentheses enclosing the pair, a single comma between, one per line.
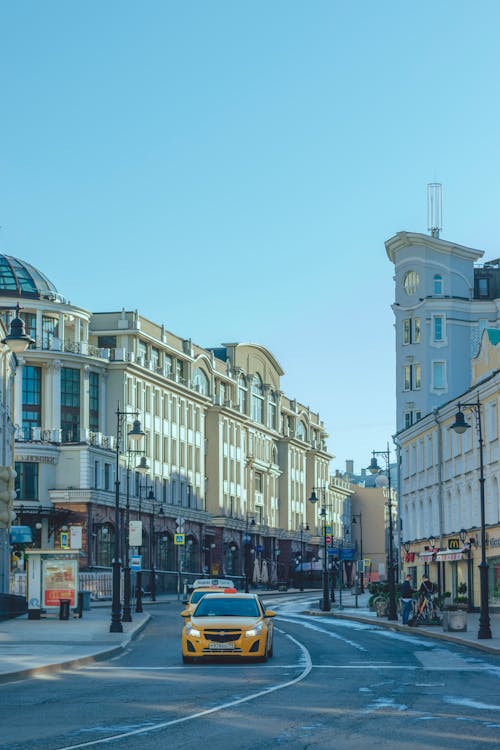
(197,595)
(227,607)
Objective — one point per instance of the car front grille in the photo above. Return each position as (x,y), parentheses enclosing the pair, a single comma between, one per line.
(222,636)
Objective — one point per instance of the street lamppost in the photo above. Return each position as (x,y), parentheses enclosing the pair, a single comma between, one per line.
(302,554)
(463,539)
(127,589)
(152,547)
(135,433)
(362,568)
(325,606)
(17,341)
(142,468)
(460,426)
(247,540)
(381,481)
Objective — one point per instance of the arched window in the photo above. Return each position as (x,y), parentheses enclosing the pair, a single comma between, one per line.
(257,399)
(200,382)
(300,432)
(438,284)
(242,394)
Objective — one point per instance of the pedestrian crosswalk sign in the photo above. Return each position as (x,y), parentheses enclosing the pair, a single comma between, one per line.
(179,538)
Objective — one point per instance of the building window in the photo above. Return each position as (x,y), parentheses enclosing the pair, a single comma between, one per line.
(167,364)
(32,399)
(142,350)
(438,284)
(179,370)
(301,431)
(107,476)
(155,359)
(271,411)
(242,394)
(94,401)
(70,405)
(30,326)
(438,328)
(257,399)
(106,342)
(407,378)
(26,483)
(418,415)
(411,331)
(438,375)
(411,282)
(407,417)
(407,331)
(96,475)
(50,330)
(483,286)
(258,481)
(417,379)
(200,382)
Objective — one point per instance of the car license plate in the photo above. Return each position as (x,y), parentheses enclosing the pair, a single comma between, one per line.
(221,646)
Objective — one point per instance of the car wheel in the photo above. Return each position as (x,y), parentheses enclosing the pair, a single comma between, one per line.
(187,659)
(270,652)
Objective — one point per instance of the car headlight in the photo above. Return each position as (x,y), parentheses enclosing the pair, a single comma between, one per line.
(257,630)
(192,631)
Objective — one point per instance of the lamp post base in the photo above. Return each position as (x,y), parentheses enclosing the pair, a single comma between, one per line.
(116,623)
(127,612)
(138,591)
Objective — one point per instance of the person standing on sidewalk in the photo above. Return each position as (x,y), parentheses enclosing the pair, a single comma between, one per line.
(406,598)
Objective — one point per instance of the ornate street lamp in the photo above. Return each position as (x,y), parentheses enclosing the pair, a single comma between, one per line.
(381,481)
(325,605)
(136,434)
(460,426)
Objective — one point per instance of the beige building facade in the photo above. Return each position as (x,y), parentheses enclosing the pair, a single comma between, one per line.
(230,459)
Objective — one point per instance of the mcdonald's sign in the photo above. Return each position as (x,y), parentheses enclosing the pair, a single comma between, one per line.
(454,543)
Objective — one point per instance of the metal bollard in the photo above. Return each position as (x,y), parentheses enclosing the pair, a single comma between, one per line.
(64,609)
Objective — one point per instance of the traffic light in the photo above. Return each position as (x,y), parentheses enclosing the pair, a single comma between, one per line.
(7,495)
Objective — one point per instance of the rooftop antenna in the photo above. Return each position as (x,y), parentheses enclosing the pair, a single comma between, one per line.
(434,208)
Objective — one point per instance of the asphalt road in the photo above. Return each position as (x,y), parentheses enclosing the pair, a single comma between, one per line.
(331,684)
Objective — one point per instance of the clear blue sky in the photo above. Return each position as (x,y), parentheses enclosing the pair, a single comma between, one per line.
(233,169)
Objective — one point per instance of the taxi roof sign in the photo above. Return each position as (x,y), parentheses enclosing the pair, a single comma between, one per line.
(222,583)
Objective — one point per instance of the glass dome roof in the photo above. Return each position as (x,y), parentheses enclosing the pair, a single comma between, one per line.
(20,279)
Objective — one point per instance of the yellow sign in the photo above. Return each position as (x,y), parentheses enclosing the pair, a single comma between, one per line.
(367,562)
(454,543)
(179,539)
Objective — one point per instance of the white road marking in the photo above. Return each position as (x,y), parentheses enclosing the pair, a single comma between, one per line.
(469,703)
(312,626)
(206,712)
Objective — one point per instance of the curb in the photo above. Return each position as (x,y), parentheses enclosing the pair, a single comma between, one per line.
(81,661)
(389,625)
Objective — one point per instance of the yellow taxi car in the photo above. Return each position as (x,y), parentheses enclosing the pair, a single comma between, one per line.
(234,625)
(204,586)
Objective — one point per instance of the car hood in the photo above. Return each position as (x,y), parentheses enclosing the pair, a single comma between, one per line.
(225,622)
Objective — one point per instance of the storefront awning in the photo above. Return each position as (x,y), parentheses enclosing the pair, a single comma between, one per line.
(448,555)
(427,557)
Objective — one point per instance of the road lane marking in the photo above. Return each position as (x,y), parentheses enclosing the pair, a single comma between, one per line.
(318,629)
(306,659)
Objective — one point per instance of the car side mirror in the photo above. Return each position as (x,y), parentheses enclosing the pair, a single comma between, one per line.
(269,613)
(185,601)
(186,613)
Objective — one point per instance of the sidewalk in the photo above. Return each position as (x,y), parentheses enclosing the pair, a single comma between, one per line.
(363,614)
(29,647)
